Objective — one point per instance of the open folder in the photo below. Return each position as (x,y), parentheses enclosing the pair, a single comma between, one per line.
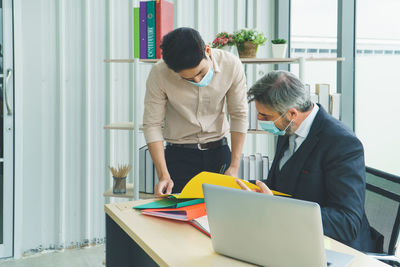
(187,213)
(169,203)
(193,189)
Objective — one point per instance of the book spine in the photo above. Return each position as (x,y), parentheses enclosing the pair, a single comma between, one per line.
(322,91)
(164,22)
(142,169)
(151,30)
(143,29)
(136,32)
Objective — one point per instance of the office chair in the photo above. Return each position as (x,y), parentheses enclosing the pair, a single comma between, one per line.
(382,207)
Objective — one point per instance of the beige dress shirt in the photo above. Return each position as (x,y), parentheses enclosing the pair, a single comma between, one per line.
(182,113)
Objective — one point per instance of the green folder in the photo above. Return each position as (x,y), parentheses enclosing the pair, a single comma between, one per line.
(136,33)
(170,203)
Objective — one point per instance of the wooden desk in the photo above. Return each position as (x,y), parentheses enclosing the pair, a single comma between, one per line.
(133,239)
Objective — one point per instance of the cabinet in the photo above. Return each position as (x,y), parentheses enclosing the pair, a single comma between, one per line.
(133,191)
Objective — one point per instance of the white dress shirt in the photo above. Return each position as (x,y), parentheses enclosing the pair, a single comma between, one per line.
(299,136)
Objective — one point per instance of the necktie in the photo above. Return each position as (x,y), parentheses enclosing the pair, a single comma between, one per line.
(289,152)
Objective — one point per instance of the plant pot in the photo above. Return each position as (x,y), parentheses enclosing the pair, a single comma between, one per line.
(119,185)
(247,49)
(279,50)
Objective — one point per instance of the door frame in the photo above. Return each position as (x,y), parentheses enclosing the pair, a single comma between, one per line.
(6,248)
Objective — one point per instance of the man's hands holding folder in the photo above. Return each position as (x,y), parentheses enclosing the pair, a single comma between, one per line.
(263,187)
(164,186)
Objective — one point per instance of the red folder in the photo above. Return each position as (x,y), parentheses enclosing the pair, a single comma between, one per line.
(164,22)
(187,213)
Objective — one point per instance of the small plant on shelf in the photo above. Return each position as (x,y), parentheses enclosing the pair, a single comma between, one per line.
(278,41)
(223,39)
(278,47)
(247,42)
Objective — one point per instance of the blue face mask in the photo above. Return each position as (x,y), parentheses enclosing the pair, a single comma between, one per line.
(206,79)
(269,126)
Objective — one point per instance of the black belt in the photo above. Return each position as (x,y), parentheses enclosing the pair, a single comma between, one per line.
(206,146)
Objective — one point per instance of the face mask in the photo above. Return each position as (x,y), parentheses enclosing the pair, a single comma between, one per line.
(269,126)
(206,79)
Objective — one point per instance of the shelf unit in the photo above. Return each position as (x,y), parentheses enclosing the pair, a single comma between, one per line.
(133,191)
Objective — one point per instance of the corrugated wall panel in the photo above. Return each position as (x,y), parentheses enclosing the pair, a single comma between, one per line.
(67,94)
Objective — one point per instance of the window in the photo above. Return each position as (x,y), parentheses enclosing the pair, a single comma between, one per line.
(314,34)
(377,90)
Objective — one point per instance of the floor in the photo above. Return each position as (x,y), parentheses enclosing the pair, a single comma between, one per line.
(85,257)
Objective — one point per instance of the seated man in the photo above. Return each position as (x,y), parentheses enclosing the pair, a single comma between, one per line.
(317,158)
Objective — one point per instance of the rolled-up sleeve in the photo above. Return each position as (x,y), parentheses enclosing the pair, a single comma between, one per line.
(237,101)
(154,109)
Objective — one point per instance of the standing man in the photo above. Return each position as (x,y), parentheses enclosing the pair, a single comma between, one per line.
(317,158)
(187,96)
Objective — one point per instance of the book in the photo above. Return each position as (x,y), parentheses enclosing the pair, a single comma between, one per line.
(151,29)
(246,170)
(259,167)
(143,29)
(201,224)
(322,91)
(164,22)
(181,214)
(334,105)
(169,203)
(252,167)
(265,164)
(194,188)
(142,169)
(240,172)
(136,32)
(149,173)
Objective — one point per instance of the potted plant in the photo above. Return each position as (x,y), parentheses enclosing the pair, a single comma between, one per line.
(247,42)
(224,41)
(279,48)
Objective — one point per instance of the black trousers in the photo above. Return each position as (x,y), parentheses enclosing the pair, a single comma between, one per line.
(184,163)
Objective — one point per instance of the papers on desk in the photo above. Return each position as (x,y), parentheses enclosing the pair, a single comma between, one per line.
(181,214)
(201,224)
(194,189)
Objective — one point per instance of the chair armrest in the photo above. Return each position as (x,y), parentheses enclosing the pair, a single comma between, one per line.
(384,257)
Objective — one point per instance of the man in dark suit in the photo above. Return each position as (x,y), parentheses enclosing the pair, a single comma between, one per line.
(317,157)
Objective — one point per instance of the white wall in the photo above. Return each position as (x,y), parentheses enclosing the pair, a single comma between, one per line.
(65,94)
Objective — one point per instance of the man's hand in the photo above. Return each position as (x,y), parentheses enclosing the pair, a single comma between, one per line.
(263,187)
(164,186)
(232,171)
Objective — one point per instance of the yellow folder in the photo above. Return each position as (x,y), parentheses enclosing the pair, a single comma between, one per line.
(194,189)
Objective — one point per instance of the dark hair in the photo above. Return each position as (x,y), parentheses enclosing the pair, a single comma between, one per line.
(182,48)
(280,90)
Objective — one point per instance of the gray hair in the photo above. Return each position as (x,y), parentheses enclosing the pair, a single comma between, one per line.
(280,90)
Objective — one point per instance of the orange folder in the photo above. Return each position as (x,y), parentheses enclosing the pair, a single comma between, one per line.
(181,214)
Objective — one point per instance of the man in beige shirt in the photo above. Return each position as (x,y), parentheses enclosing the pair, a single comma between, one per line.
(188,96)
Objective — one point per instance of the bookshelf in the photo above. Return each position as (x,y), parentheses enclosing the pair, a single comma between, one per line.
(133,191)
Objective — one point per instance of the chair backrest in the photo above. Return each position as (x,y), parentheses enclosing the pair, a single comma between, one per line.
(382,206)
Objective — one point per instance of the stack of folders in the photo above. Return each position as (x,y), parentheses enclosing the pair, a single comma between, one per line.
(147,173)
(189,206)
(331,102)
(151,21)
(254,167)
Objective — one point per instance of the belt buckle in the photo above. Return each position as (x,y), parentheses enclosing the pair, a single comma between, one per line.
(200,148)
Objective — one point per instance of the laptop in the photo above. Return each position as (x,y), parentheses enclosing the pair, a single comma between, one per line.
(268,230)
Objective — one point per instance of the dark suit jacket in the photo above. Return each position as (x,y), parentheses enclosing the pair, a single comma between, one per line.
(328,168)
